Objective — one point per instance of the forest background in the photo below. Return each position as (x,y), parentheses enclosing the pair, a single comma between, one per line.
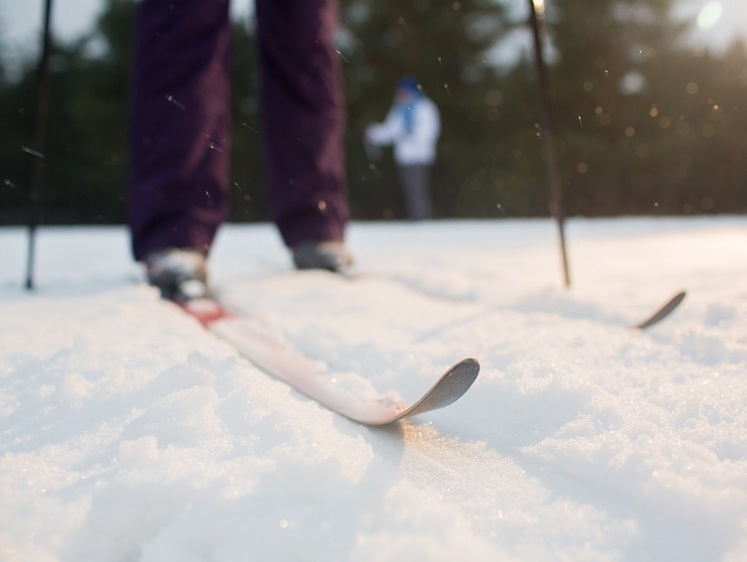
(647,123)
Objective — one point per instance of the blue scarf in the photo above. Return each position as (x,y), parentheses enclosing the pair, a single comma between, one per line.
(407,110)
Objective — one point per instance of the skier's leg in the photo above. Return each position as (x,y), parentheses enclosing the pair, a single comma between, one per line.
(180,124)
(414,180)
(423,192)
(303,118)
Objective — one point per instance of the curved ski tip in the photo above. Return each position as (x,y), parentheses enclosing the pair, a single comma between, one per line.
(466,371)
(446,390)
(679,297)
(665,310)
(469,365)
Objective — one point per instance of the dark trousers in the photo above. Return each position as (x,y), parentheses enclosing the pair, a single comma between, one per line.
(415,180)
(180,134)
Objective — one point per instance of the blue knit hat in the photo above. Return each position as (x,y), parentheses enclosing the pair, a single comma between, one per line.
(408,83)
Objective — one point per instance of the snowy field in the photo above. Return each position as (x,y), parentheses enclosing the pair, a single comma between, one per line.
(129,433)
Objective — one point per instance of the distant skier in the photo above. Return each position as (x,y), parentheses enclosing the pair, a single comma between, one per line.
(413,126)
(180,141)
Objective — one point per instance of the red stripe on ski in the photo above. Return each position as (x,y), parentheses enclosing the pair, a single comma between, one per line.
(206,311)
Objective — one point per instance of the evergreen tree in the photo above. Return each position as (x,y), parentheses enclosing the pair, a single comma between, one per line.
(635,104)
(248,190)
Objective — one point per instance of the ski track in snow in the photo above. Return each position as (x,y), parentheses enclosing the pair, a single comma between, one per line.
(127,432)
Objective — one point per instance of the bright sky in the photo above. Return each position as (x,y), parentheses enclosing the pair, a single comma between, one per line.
(20,20)
(718,20)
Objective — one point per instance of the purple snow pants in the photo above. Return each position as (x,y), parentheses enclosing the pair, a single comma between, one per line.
(180,134)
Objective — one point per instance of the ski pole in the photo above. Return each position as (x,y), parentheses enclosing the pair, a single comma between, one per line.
(537,14)
(40,141)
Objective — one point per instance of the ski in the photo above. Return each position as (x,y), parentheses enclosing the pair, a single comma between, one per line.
(662,312)
(274,355)
(277,357)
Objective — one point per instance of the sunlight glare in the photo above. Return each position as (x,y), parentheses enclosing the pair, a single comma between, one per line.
(710,14)
(539,7)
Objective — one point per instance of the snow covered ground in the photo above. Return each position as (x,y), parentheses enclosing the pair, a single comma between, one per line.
(127,432)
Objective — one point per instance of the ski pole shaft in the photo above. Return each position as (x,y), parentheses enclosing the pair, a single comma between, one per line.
(40,140)
(536,10)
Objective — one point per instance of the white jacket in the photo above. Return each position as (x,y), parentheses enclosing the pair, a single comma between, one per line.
(419,147)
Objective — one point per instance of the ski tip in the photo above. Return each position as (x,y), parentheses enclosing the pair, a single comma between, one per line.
(470,366)
(680,296)
(663,311)
(448,389)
